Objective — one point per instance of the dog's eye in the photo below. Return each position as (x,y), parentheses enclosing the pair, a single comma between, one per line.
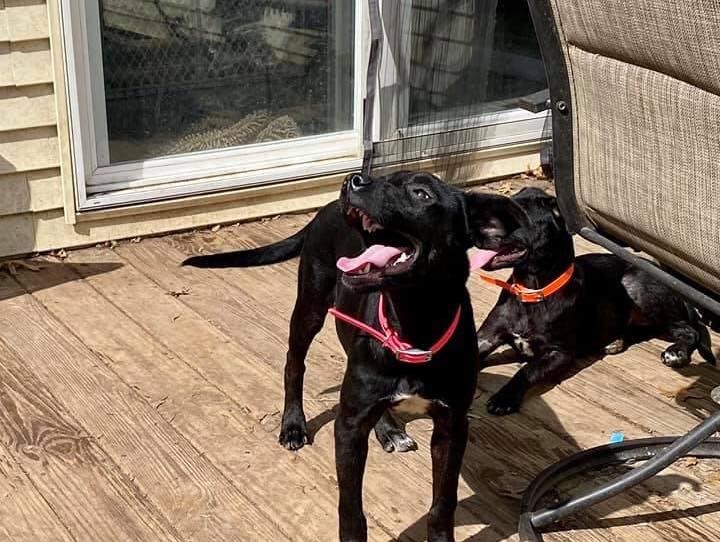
(421,194)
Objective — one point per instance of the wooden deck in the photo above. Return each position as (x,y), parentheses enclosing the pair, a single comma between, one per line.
(140,401)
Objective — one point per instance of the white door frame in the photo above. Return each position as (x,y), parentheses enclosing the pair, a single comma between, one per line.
(100,186)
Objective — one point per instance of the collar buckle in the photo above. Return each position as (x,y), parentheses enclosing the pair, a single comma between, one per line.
(532,296)
(414,355)
(526,295)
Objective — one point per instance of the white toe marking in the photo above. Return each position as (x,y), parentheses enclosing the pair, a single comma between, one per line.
(523,345)
(671,358)
(483,343)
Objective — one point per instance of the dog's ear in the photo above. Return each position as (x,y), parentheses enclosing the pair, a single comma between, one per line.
(490,218)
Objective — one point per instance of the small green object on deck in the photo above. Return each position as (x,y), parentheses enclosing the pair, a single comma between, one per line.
(617,436)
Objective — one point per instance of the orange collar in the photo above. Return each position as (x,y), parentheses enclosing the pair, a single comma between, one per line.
(528,295)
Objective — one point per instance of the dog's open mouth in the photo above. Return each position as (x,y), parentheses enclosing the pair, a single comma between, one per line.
(390,254)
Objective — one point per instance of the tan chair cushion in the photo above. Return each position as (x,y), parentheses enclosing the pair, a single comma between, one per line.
(678,38)
(647,141)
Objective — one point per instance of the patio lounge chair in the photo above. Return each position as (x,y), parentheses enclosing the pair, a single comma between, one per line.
(635,97)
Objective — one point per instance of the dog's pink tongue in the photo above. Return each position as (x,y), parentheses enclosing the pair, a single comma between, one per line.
(479,258)
(377,255)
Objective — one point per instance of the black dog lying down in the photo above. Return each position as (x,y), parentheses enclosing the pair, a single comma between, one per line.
(400,242)
(601,305)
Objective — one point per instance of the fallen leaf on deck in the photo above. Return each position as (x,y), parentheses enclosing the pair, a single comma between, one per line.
(505,188)
(178,293)
(539,174)
(687,462)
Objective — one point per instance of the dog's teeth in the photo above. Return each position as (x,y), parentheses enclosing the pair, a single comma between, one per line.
(367,268)
(403,258)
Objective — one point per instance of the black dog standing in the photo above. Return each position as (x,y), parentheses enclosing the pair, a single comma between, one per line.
(559,307)
(391,256)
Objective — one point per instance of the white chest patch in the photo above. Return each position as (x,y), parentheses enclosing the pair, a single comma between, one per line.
(522,345)
(410,404)
(483,344)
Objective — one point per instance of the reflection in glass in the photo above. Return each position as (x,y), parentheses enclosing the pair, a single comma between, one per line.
(190,75)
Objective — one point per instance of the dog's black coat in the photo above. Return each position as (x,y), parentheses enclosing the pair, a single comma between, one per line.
(441,223)
(607,305)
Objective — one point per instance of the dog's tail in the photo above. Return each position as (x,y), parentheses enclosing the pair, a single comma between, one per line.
(709,319)
(275,253)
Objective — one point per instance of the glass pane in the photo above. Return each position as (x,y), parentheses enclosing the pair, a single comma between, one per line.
(452,61)
(471,57)
(192,75)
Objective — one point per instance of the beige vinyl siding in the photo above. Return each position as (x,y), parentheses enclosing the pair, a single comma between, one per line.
(30,180)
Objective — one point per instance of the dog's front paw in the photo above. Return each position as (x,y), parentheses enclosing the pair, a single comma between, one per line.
(395,440)
(293,436)
(675,357)
(504,402)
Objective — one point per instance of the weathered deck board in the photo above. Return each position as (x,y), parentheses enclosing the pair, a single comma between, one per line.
(200,372)
(26,515)
(222,428)
(75,476)
(175,477)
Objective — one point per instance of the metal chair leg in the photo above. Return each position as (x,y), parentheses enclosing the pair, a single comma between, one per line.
(659,453)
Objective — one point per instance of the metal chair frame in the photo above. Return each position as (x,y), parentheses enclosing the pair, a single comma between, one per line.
(659,452)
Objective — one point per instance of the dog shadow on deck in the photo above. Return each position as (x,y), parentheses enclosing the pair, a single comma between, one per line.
(506,453)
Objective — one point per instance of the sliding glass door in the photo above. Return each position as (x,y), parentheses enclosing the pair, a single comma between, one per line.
(198,95)
(171,98)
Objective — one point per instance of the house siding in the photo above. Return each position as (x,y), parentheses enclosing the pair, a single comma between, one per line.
(30,180)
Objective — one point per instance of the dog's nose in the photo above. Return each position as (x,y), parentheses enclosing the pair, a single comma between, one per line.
(358,181)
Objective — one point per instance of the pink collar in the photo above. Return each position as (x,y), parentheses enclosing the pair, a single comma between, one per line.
(390,339)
